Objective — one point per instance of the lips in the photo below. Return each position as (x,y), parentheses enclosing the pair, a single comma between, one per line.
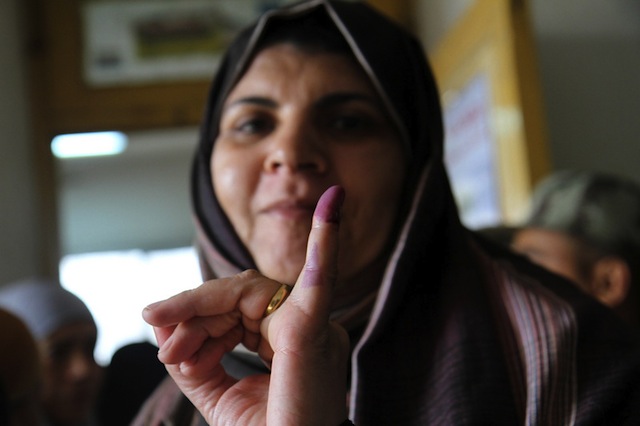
(290,209)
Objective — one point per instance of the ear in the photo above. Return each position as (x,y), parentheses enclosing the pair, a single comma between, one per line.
(611,281)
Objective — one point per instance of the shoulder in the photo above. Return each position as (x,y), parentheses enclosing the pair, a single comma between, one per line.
(167,405)
(564,338)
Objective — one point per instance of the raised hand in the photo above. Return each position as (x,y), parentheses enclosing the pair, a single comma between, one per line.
(307,353)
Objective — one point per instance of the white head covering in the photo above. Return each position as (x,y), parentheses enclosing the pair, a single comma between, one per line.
(43,305)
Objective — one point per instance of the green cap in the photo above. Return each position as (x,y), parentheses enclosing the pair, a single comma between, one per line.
(601,209)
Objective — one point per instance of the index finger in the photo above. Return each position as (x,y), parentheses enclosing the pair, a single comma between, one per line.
(312,292)
(247,292)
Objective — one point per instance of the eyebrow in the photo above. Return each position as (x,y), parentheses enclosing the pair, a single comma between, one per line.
(324,102)
(345,97)
(253,100)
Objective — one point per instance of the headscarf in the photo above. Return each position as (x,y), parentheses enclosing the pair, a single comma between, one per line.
(391,57)
(44,306)
(601,209)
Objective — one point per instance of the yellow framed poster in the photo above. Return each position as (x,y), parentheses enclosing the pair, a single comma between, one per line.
(495,139)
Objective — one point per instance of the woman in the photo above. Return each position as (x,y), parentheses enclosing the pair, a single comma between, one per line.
(443,328)
(66,334)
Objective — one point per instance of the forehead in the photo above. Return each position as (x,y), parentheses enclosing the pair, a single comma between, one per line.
(543,240)
(284,68)
(74,332)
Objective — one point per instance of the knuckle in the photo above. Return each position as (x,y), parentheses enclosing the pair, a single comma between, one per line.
(249,274)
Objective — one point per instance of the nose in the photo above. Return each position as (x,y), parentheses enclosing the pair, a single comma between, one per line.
(80,366)
(296,148)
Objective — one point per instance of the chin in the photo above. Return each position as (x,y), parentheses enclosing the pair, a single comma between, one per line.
(286,273)
(281,262)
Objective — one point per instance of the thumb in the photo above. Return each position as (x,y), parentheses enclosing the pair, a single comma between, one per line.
(313,289)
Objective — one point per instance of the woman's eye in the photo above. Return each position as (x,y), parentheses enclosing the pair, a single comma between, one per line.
(347,122)
(351,123)
(252,126)
(59,353)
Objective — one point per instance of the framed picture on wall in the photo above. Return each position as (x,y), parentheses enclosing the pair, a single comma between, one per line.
(495,144)
(150,41)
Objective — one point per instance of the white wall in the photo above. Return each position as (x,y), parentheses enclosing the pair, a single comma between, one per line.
(589,53)
(139,199)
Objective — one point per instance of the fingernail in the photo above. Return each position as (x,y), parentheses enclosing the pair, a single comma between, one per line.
(152,306)
(165,346)
(328,208)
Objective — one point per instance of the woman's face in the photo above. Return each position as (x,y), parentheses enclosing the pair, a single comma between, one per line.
(295,124)
(555,251)
(71,375)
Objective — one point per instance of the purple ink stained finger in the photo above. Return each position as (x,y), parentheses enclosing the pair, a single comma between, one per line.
(328,211)
(328,207)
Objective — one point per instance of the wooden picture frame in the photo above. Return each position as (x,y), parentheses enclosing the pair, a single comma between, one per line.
(487,74)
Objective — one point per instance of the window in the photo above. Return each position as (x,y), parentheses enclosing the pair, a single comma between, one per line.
(117,285)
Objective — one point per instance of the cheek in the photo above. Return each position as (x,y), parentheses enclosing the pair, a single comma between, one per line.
(376,185)
(562,263)
(234,182)
(227,181)
(377,207)
(373,192)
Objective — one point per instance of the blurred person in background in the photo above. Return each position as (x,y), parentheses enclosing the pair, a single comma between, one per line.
(20,374)
(131,376)
(66,334)
(585,226)
(501,234)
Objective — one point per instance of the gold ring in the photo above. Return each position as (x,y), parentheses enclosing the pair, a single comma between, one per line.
(278,299)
